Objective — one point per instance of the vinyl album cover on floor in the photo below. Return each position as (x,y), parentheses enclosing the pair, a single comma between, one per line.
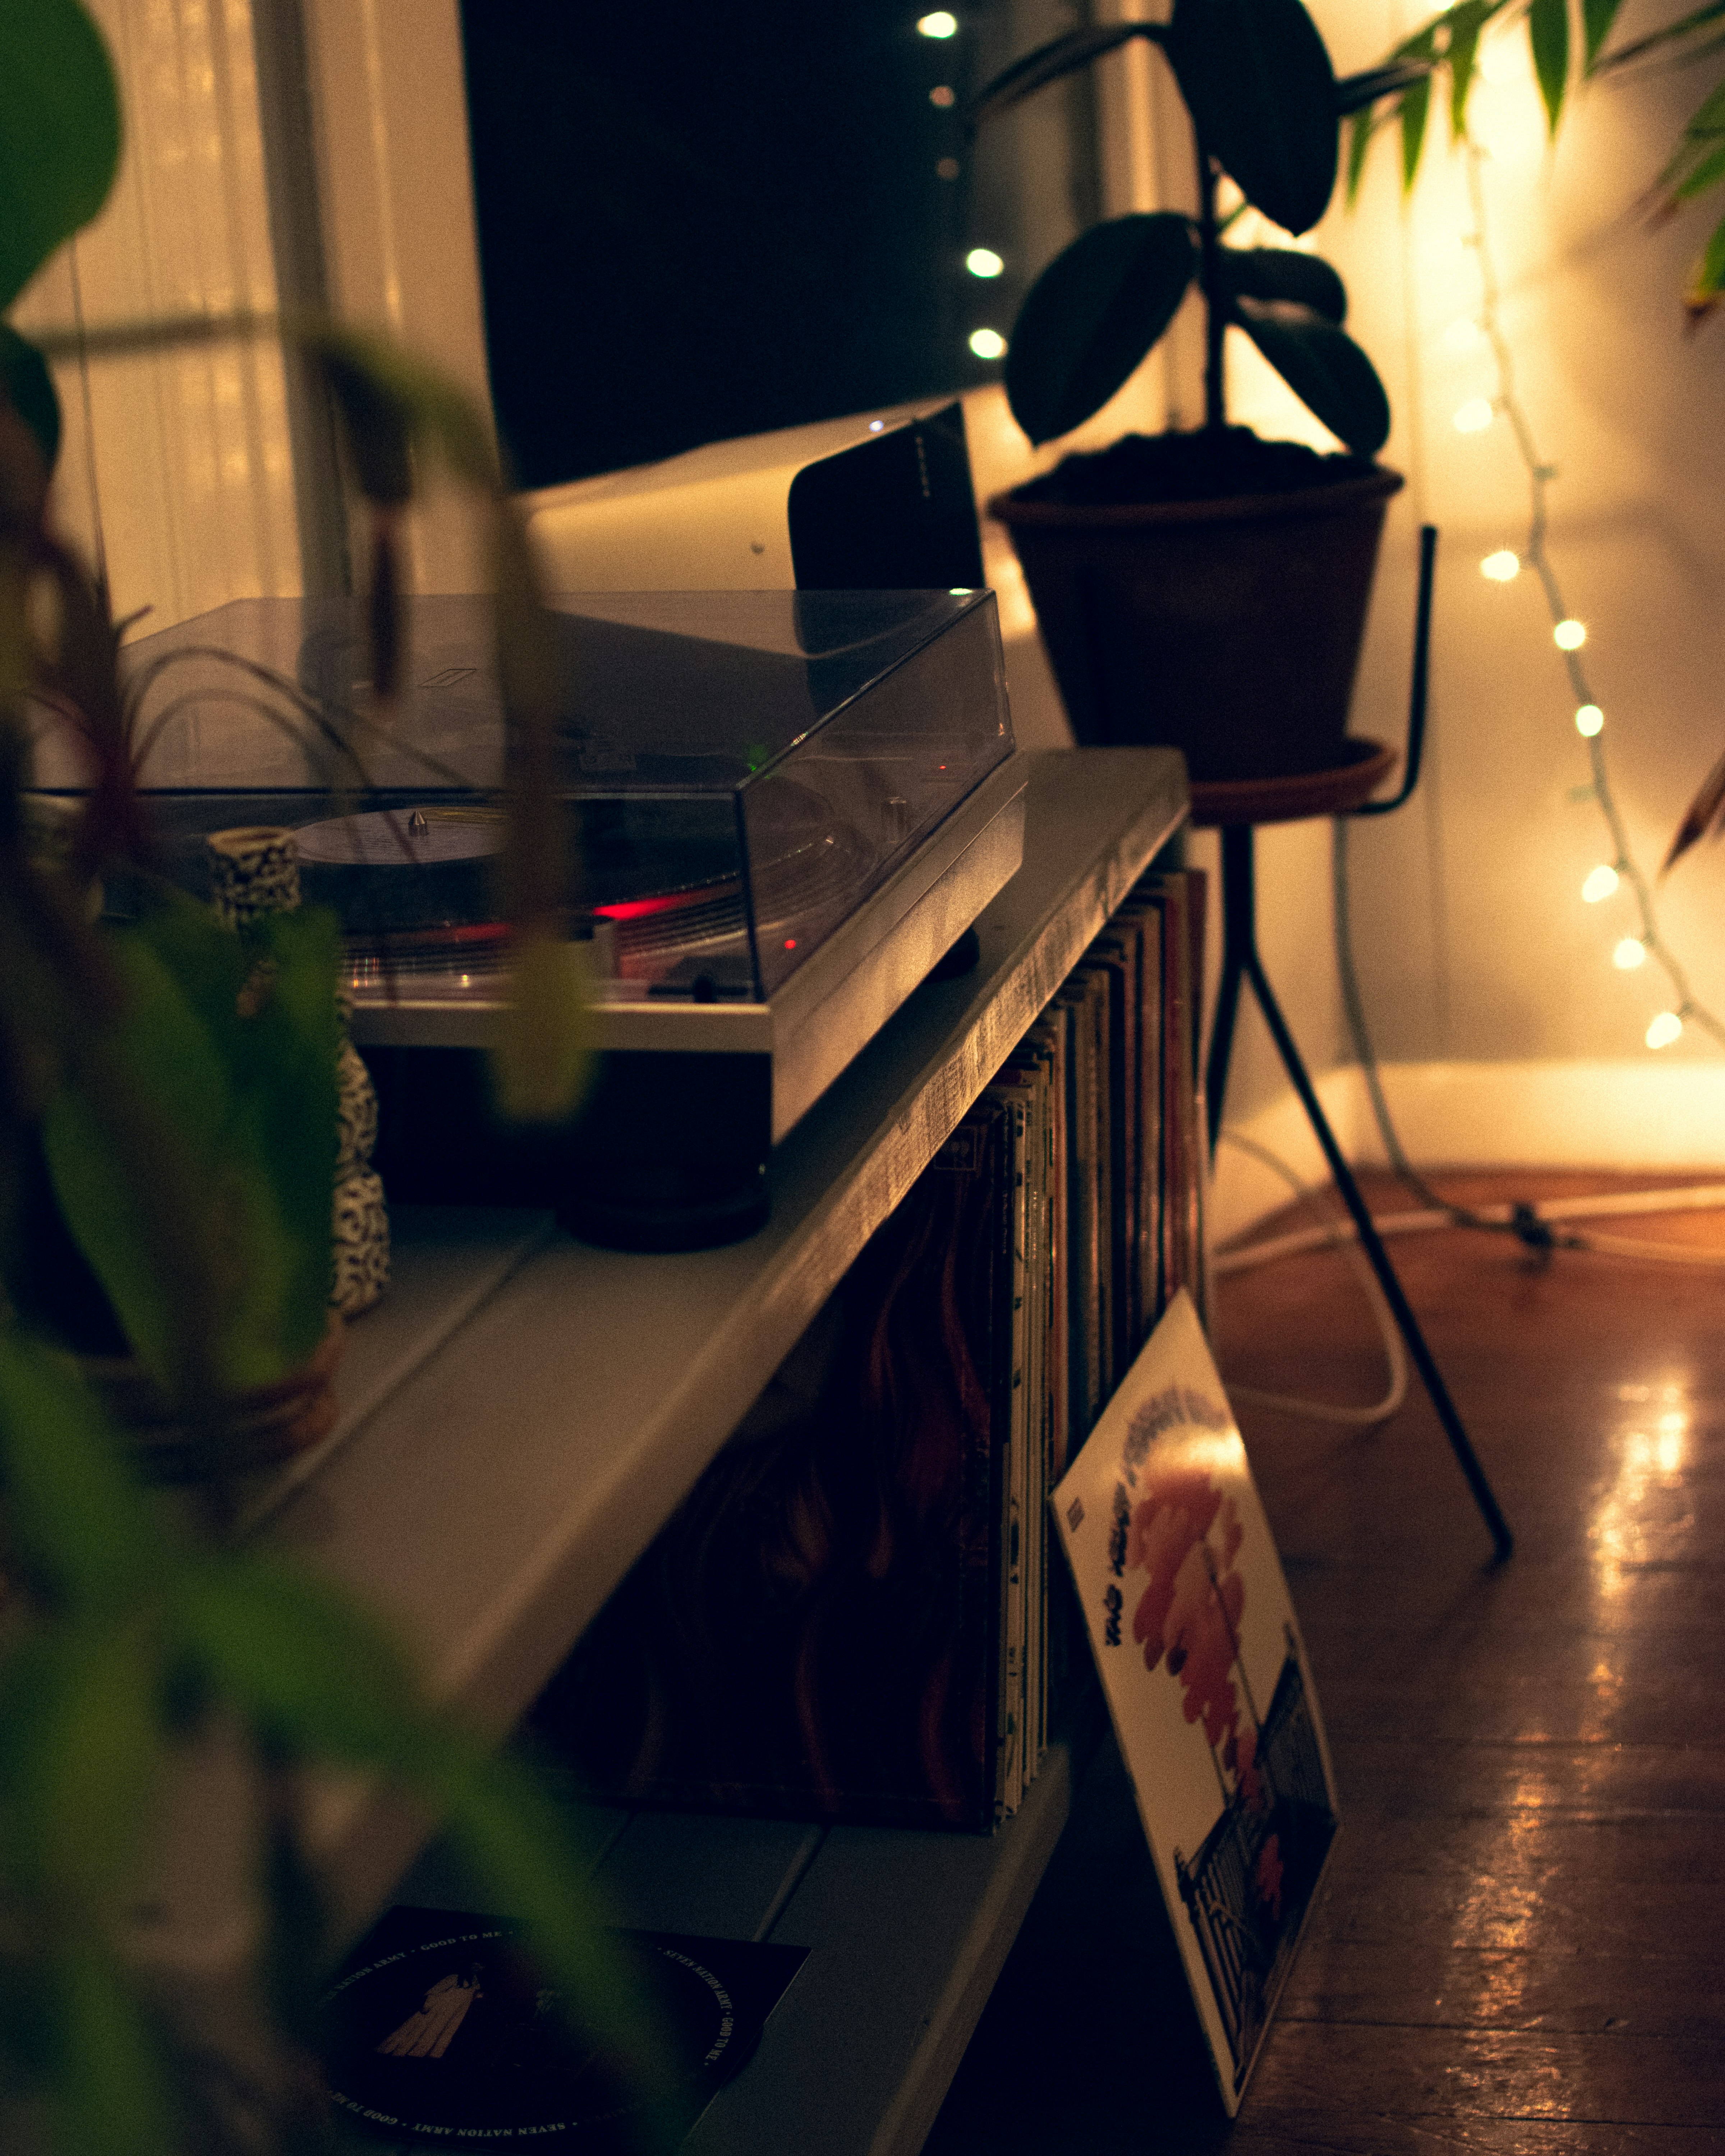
(1193,1633)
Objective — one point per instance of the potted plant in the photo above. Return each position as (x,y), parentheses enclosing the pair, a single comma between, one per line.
(168,1089)
(1207,589)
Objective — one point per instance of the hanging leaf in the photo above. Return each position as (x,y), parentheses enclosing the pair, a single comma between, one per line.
(1091,317)
(1261,92)
(1597,17)
(1707,285)
(1326,370)
(1706,171)
(60,132)
(1361,128)
(1355,92)
(1464,28)
(541,1057)
(1694,165)
(1706,17)
(1284,272)
(1548,34)
(1416,105)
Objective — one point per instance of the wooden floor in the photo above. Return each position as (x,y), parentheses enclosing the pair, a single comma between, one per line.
(1521,1945)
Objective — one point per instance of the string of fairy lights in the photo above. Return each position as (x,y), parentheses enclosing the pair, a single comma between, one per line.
(1569,636)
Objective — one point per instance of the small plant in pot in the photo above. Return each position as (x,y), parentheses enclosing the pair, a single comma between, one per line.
(1205,589)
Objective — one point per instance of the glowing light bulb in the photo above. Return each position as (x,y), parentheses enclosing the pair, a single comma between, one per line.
(1629,953)
(1600,884)
(1589,720)
(983,262)
(987,344)
(1475,416)
(1503,567)
(1664,1029)
(940,24)
(1569,636)
(876,425)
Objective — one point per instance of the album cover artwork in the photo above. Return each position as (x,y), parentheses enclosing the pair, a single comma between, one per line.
(1206,1679)
(440,2032)
(821,1630)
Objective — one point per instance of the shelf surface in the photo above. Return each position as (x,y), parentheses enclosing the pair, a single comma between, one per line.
(526,1411)
(906,1931)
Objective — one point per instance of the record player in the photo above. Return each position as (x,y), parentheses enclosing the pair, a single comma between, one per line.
(785,809)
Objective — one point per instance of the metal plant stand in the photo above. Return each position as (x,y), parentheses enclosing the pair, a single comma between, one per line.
(1236,808)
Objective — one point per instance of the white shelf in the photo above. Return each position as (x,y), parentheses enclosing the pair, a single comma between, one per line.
(526,1411)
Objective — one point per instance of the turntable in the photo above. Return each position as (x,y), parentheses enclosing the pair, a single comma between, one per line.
(785,809)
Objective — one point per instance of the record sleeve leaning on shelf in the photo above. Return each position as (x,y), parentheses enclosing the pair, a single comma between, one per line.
(848,1618)
(1193,1629)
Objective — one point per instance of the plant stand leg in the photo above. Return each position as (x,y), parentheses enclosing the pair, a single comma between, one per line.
(1239,939)
(1240,912)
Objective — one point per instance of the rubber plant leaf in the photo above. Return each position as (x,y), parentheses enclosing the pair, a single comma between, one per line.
(1326,370)
(1261,92)
(1060,56)
(1548,34)
(60,132)
(1091,317)
(1284,272)
(28,387)
(73,1523)
(319,1676)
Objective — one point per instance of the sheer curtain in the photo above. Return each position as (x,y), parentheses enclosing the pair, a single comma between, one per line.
(177,470)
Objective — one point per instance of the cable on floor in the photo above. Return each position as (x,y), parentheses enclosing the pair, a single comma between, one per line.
(1341,1234)
(1693,1197)
(1533,1225)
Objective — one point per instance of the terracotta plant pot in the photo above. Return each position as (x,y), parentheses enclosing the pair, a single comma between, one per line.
(1229,629)
(258,1428)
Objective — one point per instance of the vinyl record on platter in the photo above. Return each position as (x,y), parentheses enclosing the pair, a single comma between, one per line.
(415,888)
(440,2029)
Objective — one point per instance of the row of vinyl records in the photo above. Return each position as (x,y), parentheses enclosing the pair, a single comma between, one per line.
(849,1617)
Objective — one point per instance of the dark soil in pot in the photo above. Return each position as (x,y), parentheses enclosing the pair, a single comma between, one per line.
(1208,591)
(1204,466)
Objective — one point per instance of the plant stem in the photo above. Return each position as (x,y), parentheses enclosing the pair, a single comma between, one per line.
(1210,277)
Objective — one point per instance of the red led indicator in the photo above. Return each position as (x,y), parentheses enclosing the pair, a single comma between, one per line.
(790,942)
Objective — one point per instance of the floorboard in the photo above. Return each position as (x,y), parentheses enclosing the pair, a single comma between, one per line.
(1517,1949)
